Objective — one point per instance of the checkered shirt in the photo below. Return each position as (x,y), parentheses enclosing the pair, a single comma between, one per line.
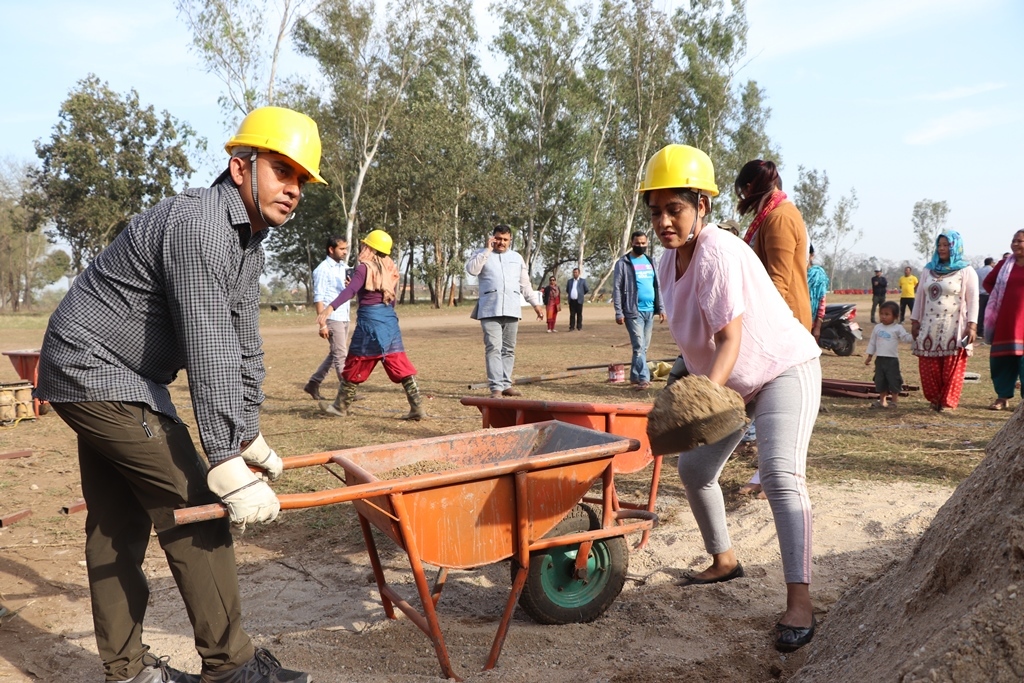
(177,289)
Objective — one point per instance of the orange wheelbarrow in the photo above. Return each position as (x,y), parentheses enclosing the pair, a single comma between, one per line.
(624,419)
(514,494)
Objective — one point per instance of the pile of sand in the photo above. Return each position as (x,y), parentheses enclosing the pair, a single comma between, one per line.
(953,609)
(692,412)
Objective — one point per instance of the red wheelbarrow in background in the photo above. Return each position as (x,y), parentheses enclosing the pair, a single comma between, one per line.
(514,494)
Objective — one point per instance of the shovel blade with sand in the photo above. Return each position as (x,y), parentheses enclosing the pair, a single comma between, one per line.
(691,412)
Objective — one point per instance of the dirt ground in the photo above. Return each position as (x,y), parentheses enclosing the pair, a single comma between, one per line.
(308,591)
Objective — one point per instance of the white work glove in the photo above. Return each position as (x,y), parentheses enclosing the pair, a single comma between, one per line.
(261,455)
(249,498)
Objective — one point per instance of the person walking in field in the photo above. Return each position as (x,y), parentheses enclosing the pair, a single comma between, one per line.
(879,288)
(884,348)
(178,289)
(329,279)
(944,321)
(1004,329)
(908,292)
(576,289)
(377,338)
(552,302)
(636,300)
(503,280)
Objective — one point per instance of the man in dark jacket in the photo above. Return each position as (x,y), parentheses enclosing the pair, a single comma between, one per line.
(576,290)
(879,286)
(636,300)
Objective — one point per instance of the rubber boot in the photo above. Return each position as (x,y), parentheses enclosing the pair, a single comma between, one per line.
(346,394)
(412,392)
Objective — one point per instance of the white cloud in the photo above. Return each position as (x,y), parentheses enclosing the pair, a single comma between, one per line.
(961,92)
(783,28)
(960,123)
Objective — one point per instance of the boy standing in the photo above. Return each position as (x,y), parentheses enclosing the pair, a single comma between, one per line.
(884,346)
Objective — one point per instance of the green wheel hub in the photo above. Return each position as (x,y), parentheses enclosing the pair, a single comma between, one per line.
(558,580)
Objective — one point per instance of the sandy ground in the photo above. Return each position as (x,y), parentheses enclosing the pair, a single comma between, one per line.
(311,599)
(309,594)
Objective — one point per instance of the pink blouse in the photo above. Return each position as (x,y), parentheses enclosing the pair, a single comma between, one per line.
(724,280)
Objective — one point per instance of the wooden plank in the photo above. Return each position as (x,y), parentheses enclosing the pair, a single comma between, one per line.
(15,454)
(14,517)
(72,508)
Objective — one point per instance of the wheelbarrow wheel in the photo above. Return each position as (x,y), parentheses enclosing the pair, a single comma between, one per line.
(554,595)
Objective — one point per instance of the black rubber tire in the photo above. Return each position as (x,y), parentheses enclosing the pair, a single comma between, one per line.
(845,345)
(572,601)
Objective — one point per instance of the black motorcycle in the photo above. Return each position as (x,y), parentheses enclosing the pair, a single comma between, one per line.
(839,330)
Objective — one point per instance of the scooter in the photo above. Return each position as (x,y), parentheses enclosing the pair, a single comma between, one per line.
(839,329)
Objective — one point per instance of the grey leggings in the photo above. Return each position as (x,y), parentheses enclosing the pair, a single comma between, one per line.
(785,410)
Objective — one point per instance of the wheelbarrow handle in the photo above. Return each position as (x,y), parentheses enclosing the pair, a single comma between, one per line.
(200,513)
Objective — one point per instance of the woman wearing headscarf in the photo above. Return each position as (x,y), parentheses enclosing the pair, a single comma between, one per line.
(1004,323)
(944,321)
(817,287)
(377,337)
(552,302)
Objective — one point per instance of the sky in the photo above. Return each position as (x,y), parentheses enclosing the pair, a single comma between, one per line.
(901,100)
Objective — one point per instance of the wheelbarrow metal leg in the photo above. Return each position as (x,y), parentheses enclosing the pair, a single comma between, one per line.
(652,497)
(422,587)
(378,571)
(442,576)
(522,559)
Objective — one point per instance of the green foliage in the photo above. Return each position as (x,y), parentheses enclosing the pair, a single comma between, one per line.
(108,158)
(26,262)
(928,219)
(418,142)
(231,39)
(810,194)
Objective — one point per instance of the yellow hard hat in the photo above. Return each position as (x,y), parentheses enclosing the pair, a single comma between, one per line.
(680,166)
(284,131)
(379,240)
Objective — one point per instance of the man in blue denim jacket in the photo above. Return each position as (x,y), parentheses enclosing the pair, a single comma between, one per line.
(636,300)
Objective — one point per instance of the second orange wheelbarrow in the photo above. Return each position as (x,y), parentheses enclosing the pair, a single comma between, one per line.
(623,419)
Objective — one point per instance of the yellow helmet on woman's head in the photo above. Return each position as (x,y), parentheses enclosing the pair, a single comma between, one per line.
(379,240)
(680,166)
(284,131)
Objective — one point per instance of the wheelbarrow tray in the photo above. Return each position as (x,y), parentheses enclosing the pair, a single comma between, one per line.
(466,517)
(623,419)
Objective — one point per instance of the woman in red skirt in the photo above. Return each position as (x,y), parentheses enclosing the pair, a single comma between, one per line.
(552,302)
(944,321)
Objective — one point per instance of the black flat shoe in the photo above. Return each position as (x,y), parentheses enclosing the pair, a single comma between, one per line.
(792,638)
(691,580)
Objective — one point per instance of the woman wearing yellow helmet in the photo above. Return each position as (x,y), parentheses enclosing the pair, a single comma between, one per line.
(733,326)
(377,336)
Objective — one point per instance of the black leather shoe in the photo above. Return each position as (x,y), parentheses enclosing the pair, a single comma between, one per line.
(691,580)
(792,638)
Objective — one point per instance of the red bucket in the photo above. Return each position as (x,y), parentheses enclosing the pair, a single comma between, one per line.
(617,372)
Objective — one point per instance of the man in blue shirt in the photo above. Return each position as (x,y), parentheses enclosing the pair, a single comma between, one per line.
(636,300)
(328,280)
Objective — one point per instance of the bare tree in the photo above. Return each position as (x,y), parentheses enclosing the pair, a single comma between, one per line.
(928,220)
(230,37)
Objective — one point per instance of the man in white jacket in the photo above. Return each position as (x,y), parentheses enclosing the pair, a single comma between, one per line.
(503,277)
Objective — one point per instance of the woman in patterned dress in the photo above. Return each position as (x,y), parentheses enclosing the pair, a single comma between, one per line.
(944,321)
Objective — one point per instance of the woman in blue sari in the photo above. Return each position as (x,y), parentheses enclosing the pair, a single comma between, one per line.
(817,286)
